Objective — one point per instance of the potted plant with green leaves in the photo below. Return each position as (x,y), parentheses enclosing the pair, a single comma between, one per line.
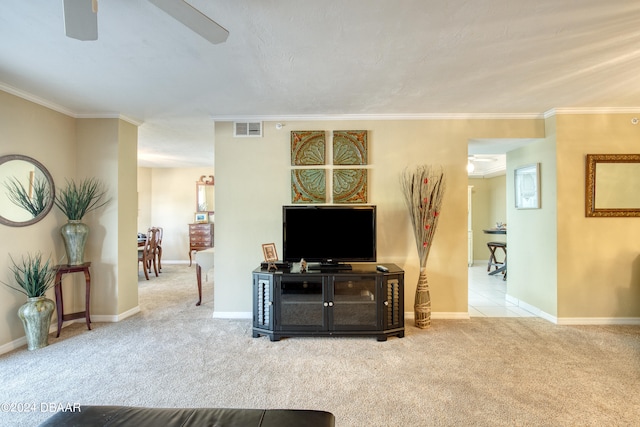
(75,200)
(33,278)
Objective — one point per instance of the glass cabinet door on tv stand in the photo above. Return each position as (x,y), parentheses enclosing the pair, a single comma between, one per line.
(355,303)
(301,303)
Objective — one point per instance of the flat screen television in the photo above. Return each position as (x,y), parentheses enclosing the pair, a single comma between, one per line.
(330,235)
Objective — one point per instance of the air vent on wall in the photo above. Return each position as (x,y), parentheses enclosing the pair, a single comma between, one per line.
(241,129)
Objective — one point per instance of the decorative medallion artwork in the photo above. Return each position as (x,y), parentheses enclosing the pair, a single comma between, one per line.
(350,185)
(308,186)
(307,148)
(350,147)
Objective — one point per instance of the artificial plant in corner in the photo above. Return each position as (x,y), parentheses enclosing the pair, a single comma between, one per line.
(34,277)
(423,188)
(75,200)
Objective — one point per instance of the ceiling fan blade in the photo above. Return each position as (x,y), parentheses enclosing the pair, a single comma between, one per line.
(81,19)
(194,19)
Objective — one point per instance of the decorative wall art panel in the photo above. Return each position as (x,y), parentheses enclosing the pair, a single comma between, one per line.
(350,147)
(350,185)
(307,148)
(308,186)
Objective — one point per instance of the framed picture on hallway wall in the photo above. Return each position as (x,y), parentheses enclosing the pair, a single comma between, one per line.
(527,186)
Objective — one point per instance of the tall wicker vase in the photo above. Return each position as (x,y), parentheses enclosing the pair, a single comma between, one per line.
(422,303)
(423,189)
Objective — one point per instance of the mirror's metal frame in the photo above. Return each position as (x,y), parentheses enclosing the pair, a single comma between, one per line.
(204,180)
(45,172)
(590,196)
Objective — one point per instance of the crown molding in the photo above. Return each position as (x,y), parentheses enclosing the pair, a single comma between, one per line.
(337,117)
(591,110)
(376,117)
(35,99)
(427,116)
(128,119)
(67,112)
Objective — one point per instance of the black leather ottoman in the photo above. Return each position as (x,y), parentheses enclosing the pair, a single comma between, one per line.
(112,416)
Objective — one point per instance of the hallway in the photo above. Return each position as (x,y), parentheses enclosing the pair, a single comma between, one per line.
(487,295)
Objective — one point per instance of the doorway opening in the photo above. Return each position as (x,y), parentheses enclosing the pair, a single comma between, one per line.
(487,191)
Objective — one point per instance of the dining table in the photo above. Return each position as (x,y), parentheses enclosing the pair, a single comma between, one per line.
(495,230)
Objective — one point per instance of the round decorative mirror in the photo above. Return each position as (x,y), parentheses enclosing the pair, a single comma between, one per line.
(26,190)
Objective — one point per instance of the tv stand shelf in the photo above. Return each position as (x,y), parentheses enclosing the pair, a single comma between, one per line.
(358,302)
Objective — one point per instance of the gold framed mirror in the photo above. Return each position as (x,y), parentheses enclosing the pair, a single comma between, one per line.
(205,194)
(612,185)
(27,192)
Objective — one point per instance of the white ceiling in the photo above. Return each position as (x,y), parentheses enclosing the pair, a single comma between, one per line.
(320,58)
(486,165)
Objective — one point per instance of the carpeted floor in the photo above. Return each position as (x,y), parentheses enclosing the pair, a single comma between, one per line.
(483,371)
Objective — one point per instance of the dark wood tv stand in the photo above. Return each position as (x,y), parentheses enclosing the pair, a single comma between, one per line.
(362,301)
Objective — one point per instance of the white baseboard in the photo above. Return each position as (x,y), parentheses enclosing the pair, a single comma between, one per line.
(598,321)
(573,320)
(16,344)
(104,318)
(22,341)
(531,309)
(113,318)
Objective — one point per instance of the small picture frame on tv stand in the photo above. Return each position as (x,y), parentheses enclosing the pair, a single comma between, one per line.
(269,251)
(270,255)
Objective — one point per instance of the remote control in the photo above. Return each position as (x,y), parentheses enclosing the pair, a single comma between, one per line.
(382,268)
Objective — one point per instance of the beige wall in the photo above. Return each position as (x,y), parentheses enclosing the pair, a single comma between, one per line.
(107,150)
(533,233)
(598,258)
(572,268)
(144,199)
(48,137)
(253,182)
(72,149)
(488,199)
(127,251)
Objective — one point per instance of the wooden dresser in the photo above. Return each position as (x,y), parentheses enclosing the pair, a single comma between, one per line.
(200,237)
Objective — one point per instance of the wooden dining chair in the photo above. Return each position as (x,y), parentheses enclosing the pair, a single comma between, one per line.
(158,253)
(147,254)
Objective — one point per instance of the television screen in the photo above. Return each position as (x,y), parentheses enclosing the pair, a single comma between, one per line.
(329,234)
